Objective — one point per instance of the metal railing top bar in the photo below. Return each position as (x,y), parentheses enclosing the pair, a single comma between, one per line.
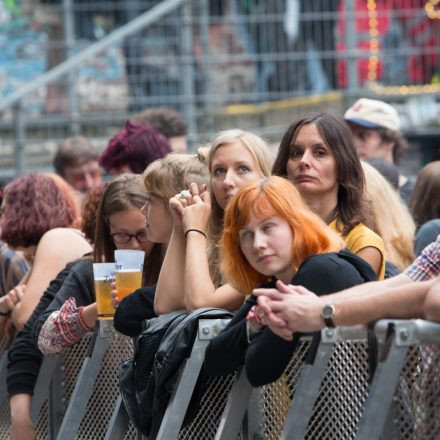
(144,20)
(409,331)
(355,333)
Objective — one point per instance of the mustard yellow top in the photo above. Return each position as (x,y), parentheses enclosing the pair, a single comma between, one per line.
(361,237)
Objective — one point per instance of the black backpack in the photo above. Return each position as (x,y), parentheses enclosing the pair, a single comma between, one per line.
(147,380)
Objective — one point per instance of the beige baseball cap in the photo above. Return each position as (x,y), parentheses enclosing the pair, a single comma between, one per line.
(372,113)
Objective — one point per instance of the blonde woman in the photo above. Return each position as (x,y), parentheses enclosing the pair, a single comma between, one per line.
(392,220)
(236,158)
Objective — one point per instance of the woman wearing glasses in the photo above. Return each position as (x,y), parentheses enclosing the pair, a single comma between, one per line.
(120,224)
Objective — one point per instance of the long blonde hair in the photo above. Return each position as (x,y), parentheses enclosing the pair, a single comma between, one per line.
(392,220)
(259,150)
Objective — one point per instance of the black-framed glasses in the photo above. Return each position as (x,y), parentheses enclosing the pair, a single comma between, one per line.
(125,237)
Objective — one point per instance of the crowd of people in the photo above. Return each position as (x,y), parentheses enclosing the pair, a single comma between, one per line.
(325,234)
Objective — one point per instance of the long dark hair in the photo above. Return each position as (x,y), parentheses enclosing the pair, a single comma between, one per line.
(352,208)
(125,192)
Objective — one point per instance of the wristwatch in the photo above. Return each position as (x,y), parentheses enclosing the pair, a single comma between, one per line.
(327,313)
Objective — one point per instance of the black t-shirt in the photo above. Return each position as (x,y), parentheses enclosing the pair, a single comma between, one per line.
(266,357)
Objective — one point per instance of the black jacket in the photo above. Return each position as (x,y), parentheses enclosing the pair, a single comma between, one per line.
(147,380)
(267,355)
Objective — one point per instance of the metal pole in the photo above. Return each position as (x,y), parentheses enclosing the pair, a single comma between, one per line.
(189,109)
(351,44)
(69,39)
(19,135)
(207,124)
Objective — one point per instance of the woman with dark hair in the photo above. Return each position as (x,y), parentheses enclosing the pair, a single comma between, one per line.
(132,149)
(425,205)
(120,224)
(318,155)
(272,239)
(39,217)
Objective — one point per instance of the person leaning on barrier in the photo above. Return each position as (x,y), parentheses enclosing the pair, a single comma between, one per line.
(40,217)
(120,224)
(24,358)
(162,179)
(236,157)
(411,294)
(271,237)
(317,154)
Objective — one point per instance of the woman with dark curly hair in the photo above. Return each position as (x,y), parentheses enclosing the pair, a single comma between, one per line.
(317,154)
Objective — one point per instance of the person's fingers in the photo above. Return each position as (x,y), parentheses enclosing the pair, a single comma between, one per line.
(284,288)
(19,292)
(197,200)
(194,189)
(202,188)
(276,306)
(273,294)
(115,302)
(206,197)
(303,291)
(9,303)
(176,204)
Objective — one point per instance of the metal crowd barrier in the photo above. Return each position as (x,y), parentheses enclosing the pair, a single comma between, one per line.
(325,392)
(76,391)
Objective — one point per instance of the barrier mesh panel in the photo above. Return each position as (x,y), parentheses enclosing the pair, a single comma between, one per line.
(106,390)
(417,415)
(5,420)
(5,416)
(212,404)
(277,396)
(343,393)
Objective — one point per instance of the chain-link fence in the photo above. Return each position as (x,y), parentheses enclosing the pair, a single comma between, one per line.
(222,63)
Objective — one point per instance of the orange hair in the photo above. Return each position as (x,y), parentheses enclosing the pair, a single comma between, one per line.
(272,196)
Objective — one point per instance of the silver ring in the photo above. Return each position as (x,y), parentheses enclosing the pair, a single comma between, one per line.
(182,195)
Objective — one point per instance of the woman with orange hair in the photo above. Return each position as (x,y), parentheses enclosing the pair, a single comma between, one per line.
(272,239)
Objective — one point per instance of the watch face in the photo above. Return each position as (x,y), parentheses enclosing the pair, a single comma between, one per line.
(327,311)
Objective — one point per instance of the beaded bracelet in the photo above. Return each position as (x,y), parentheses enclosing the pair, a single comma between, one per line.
(195,230)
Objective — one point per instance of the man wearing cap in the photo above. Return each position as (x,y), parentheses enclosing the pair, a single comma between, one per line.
(376,129)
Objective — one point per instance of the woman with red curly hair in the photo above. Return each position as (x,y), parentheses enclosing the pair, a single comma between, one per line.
(39,217)
(272,239)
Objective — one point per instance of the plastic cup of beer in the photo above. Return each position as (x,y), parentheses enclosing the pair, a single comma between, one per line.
(129,267)
(103,276)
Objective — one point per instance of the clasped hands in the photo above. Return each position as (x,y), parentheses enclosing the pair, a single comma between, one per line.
(191,208)
(286,309)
